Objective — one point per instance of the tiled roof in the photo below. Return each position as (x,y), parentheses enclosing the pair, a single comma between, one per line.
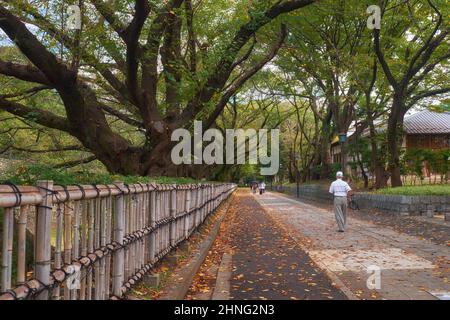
(427,122)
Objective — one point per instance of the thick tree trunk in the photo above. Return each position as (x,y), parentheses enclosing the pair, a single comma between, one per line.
(377,163)
(395,128)
(360,163)
(139,161)
(325,146)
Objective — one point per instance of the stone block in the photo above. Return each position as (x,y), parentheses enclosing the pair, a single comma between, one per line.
(172,259)
(152,280)
(183,246)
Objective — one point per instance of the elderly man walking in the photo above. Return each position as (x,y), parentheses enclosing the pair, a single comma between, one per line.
(340,190)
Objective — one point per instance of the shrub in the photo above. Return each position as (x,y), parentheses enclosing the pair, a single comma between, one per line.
(28,175)
(435,189)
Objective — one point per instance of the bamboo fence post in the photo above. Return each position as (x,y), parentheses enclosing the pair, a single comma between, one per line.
(76,240)
(152,237)
(97,268)
(67,241)
(158,217)
(166,233)
(187,207)
(161,229)
(138,227)
(108,240)
(7,234)
(173,213)
(127,214)
(134,205)
(143,225)
(58,247)
(196,211)
(102,220)
(197,206)
(90,244)
(141,243)
(43,234)
(118,255)
(208,202)
(21,244)
(10,245)
(204,204)
(83,252)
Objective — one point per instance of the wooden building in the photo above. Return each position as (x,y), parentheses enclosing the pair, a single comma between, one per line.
(427,130)
(422,130)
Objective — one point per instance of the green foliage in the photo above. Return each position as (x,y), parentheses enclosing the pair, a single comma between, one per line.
(29,174)
(364,151)
(437,160)
(437,190)
(334,167)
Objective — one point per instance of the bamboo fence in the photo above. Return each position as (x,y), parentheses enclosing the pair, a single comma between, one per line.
(94,242)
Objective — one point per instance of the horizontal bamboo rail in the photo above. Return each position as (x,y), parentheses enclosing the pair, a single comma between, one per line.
(94,242)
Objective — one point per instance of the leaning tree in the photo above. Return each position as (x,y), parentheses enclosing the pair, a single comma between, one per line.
(152,65)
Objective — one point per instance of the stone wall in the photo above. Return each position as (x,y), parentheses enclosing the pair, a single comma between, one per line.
(308,192)
(404,205)
(395,204)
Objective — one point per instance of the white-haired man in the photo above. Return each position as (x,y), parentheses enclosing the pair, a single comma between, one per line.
(340,189)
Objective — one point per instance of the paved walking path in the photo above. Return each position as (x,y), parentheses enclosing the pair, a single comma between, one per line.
(411,267)
(266,262)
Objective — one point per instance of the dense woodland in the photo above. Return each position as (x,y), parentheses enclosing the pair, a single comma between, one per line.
(106,97)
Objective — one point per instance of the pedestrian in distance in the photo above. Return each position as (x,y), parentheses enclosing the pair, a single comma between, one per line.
(262,187)
(340,190)
(254,186)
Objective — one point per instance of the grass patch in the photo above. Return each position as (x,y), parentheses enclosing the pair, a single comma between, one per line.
(431,190)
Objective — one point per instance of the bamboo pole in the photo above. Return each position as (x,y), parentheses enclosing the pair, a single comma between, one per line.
(127,230)
(67,241)
(158,217)
(166,233)
(76,238)
(173,213)
(58,246)
(152,237)
(43,233)
(102,272)
(187,208)
(108,240)
(22,244)
(97,282)
(83,251)
(10,246)
(118,257)
(132,259)
(91,218)
(6,281)
(141,244)
(199,206)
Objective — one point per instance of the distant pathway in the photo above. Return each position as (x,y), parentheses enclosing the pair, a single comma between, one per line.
(411,267)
